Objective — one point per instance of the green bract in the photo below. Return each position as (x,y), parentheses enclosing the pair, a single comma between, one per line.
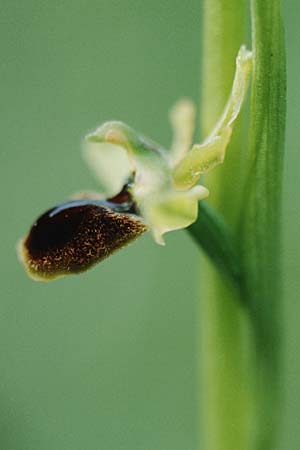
(164,183)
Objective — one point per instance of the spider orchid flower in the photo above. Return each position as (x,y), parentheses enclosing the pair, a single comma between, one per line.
(143,187)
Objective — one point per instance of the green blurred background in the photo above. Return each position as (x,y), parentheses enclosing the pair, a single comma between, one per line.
(108,360)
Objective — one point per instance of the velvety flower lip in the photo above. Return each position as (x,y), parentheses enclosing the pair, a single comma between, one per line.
(74,236)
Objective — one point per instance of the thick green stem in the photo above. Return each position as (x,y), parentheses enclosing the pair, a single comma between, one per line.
(226,395)
(261,217)
(241,346)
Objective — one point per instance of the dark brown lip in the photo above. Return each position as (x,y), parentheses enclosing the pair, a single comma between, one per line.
(74,236)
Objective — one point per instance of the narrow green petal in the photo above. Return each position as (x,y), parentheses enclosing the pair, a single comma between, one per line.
(206,156)
(238,92)
(182,118)
(201,159)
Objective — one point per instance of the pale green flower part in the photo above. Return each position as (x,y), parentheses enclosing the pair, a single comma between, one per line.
(164,183)
(204,157)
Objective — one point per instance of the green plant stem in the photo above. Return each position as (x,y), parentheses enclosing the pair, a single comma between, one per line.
(226,396)
(240,357)
(213,235)
(261,218)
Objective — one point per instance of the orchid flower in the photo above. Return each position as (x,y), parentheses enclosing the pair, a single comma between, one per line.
(143,187)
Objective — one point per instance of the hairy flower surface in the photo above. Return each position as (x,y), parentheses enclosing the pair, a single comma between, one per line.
(143,186)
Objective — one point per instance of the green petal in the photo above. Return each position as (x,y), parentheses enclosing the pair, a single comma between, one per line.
(201,159)
(204,157)
(182,118)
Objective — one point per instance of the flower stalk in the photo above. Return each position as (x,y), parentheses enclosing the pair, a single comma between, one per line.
(261,219)
(225,398)
(240,332)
